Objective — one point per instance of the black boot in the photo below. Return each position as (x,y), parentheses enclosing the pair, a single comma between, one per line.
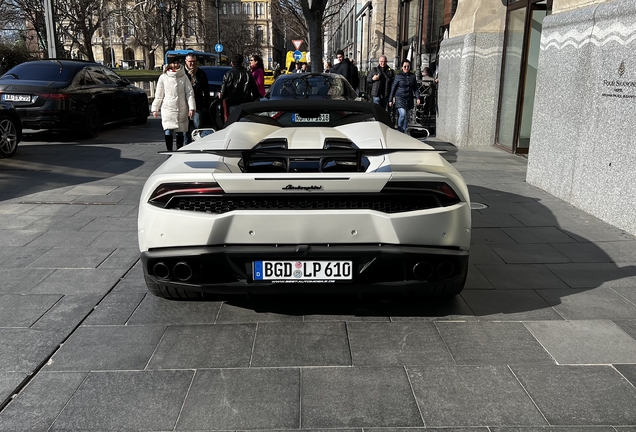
(179,140)
(169,142)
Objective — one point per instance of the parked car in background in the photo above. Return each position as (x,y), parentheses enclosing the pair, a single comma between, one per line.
(10,130)
(312,86)
(71,95)
(215,78)
(269,77)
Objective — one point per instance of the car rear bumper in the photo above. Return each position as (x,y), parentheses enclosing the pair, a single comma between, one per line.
(54,120)
(229,268)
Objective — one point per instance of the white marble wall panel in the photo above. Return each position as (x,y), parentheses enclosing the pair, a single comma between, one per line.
(469,74)
(582,146)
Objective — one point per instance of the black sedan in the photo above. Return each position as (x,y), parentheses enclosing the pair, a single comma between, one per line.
(215,78)
(10,130)
(71,95)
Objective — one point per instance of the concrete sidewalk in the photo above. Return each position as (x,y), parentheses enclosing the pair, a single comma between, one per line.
(543,335)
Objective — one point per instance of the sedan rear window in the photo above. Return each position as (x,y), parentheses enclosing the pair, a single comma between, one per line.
(41,72)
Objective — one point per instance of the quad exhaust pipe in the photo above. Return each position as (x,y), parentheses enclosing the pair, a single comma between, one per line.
(181,271)
(424,270)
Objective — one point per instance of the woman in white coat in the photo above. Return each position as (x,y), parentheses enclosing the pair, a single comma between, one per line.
(175,97)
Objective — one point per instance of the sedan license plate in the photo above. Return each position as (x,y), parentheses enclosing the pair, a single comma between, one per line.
(302,271)
(16,98)
(323,118)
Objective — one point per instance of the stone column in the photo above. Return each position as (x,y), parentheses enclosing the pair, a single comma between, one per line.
(469,73)
(582,147)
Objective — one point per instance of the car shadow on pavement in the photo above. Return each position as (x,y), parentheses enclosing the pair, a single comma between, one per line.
(531,259)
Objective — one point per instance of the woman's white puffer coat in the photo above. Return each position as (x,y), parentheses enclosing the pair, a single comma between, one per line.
(175,97)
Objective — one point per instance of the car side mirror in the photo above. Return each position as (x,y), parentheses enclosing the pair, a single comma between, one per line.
(197,134)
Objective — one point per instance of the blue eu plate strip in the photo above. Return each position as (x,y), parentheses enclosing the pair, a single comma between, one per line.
(258,270)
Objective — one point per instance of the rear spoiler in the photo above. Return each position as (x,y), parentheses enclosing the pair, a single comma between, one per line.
(301,153)
(335,159)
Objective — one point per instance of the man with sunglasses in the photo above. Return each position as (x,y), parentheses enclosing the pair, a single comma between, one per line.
(199,81)
(403,93)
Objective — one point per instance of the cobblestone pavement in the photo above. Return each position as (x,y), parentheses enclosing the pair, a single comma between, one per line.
(544,335)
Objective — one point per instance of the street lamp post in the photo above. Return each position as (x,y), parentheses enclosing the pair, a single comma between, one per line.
(218,25)
(162,12)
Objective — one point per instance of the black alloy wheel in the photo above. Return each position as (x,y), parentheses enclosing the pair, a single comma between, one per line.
(8,137)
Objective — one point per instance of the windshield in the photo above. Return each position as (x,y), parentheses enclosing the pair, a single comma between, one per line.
(308,86)
(46,71)
(308,117)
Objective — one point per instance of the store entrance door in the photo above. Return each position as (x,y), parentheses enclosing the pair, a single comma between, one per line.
(519,73)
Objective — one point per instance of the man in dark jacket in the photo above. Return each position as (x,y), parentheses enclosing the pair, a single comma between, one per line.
(199,81)
(238,86)
(380,80)
(343,67)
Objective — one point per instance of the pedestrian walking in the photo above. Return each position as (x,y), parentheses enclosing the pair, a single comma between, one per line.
(201,88)
(175,97)
(428,91)
(403,92)
(355,75)
(379,81)
(238,87)
(258,73)
(343,67)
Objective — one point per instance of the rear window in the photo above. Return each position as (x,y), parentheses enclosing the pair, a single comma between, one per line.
(49,71)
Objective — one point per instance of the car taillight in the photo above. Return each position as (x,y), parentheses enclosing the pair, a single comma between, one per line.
(164,192)
(54,96)
(442,191)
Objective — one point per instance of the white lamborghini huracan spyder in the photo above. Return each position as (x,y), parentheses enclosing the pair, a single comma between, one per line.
(299,196)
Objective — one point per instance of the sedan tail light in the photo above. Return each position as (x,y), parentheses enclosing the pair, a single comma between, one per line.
(55,96)
(166,191)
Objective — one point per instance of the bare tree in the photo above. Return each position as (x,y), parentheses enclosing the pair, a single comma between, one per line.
(142,21)
(305,19)
(78,20)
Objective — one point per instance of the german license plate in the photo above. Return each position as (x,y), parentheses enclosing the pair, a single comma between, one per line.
(16,98)
(323,118)
(302,270)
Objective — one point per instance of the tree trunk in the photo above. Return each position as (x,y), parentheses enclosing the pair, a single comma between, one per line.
(314,16)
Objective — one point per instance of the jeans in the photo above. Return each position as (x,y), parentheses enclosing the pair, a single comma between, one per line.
(193,124)
(380,100)
(403,119)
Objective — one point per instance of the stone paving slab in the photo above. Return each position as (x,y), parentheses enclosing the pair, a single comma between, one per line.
(469,396)
(358,397)
(395,344)
(243,399)
(584,341)
(583,395)
(204,346)
(149,400)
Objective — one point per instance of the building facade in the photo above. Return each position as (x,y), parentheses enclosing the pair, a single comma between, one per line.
(553,79)
(119,44)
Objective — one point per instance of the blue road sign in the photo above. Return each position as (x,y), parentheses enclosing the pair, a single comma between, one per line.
(218,47)
(298,55)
